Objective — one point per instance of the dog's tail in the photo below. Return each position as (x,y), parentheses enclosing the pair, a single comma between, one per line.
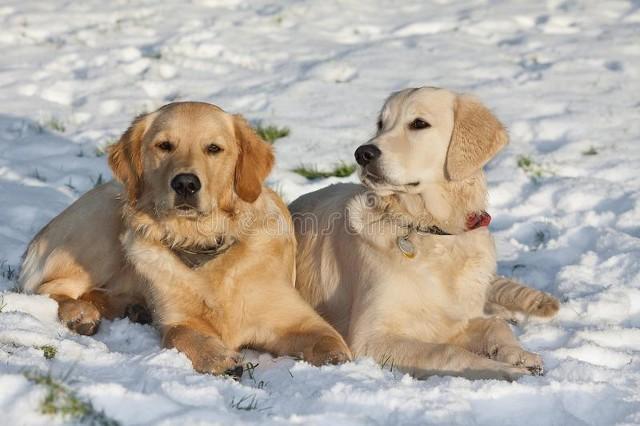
(519,298)
(32,269)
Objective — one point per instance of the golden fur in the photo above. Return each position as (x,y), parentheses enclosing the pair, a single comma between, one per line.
(118,247)
(442,311)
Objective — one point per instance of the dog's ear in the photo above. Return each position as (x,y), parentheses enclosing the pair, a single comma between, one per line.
(255,161)
(476,138)
(125,157)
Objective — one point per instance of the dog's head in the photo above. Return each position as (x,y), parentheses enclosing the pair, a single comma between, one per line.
(428,135)
(188,158)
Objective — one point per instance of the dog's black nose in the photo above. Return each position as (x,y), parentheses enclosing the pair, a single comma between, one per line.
(186,184)
(366,154)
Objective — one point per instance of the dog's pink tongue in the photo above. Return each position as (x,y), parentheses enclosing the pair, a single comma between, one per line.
(477,220)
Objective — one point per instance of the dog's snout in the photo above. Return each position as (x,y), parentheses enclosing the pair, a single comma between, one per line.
(367,153)
(186,184)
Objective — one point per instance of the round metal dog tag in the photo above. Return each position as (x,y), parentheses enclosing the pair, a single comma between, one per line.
(406,247)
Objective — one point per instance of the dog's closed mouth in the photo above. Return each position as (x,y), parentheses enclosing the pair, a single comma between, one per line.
(185,210)
(381,180)
(374,178)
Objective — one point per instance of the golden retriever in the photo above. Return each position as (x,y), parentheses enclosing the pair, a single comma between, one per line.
(190,232)
(404,265)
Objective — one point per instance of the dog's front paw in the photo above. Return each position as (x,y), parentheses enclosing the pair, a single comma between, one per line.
(514,373)
(207,353)
(496,370)
(215,363)
(518,357)
(329,350)
(80,316)
(544,305)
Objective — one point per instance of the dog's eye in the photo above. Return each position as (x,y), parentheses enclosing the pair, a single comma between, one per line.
(213,149)
(379,124)
(165,146)
(418,124)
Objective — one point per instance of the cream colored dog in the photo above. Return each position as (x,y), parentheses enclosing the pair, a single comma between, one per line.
(404,266)
(191,233)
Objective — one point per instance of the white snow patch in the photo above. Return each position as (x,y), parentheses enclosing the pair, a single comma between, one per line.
(562,76)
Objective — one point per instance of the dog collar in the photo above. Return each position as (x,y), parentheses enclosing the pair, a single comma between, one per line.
(478,220)
(195,257)
(474,221)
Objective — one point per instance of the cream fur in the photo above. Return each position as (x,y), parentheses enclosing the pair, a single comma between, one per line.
(424,315)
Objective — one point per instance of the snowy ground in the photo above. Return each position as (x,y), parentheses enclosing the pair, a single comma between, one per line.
(564,76)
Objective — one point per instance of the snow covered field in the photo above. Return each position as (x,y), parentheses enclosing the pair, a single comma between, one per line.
(564,76)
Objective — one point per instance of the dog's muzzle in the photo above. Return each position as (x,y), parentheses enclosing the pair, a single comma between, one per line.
(365,154)
(186,187)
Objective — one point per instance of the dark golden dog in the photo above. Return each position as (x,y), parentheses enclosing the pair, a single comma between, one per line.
(190,232)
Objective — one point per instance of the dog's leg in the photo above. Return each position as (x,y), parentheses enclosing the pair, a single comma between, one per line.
(492,337)
(517,297)
(316,344)
(82,315)
(494,310)
(138,313)
(207,352)
(291,327)
(127,297)
(423,359)
(81,304)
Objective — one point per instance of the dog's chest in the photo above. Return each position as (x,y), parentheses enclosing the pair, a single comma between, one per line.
(175,286)
(446,280)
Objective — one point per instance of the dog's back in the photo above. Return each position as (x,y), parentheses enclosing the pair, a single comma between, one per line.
(79,249)
(324,247)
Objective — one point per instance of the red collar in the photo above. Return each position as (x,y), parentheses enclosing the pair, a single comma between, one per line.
(477,220)
(474,221)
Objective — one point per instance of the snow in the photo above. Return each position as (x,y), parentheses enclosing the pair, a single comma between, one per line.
(562,75)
